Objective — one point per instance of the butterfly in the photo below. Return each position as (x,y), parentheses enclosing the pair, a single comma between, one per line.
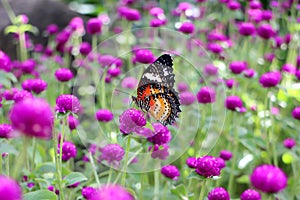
(155,92)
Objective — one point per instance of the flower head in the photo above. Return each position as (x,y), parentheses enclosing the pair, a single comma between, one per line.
(85,48)
(237,67)
(112,192)
(187,98)
(72,122)
(192,162)
(170,171)
(246,29)
(35,85)
(210,69)
(130,14)
(144,56)
(9,189)
(94,26)
(162,134)
(67,103)
(28,66)
(249,73)
(5,63)
(268,178)
(206,95)
(233,5)
(52,29)
(250,194)
(112,153)
(68,150)
(159,151)
(104,115)
(289,143)
(270,79)
(129,82)
(265,31)
(233,103)
(187,27)
(131,120)
(208,166)
(40,122)
(63,74)
(218,193)
(225,155)
(21,95)
(88,192)
(6,131)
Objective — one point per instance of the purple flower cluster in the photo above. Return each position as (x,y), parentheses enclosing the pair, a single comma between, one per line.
(104,115)
(112,153)
(10,189)
(111,192)
(63,74)
(67,103)
(131,120)
(218,193)
(206,95)
(68,150)
(35,85)
(250,194)
(170,171)
(6,131)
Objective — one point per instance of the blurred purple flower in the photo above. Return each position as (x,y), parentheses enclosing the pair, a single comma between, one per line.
(267,15)
(208,166)
(94,26)
(233,5)
(192,162)
(298,74)
(183,6)
(21,95)
(157,22)
(265,31)
(225,155)
(255,4)
(162,134)
(112,153)
(104,115)
(156,11)
(114,72)
(63,74)
(68,150)
(238,67)
(270,79)
(85,48)
(129,83)
(40,122)
(250,194)
(289,143)
(296,113)
(214,48)
(109,60)
(52,29)
(206,95)
(210,69)
(268,178)
(5,63)
(246,28)
(28,66)
(233,103)
(67,103)
(187,27)
(170,171)
(218,193)
(230,83)
(187,98)
(10,189)
(159,151)
(6,131)
(111,192)
(144,56)
(72,122)
(182,87)
(249,73)
(129,14)
(289,68)
(9,93)
(131,120)
(87,192)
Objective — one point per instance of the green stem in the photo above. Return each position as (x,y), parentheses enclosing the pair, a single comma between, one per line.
(9,11)
(23,49)
(202,192)
(34,152)
(126,160)
(22,158)
(59,166)
(109,175)
(156,184)
(94,43)
(7,165)
(266,130)
(273,138)
(294,186)
(94,169)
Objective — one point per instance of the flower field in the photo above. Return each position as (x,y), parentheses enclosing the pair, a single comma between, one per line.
(154,100)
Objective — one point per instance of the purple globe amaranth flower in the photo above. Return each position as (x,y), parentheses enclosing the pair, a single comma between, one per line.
(129,83)
(250,194)
(170,171)
(230,83)
(214,48)
(265,31)
(94,26)
(289,68)
(184,6)
(52,29)
(187,98)
(297,74)
(238,67)
(270,79)
(233,5)
(28,66)
(112,153)
(255,4)
(67,103)
(40,122)
(109,60)
(210,69)
(85,48)
(187,27)
(130,14)
(35,85)
(112,192)
(5,63)
(68,150)
(159,151)
(249,73)
(9,189)
(131,120)
(114,72)
(88,192)
(157,22)
(63,74)
(296,113)
(9,93)
(246,28)
(156,11)
(21,95)
(192,162)
(267,15)
(233,103)
(30,185)
(104,115)
(6,131)
(74,185)
(218,193)
(268,178)
(206,95)
(72,122)
(225,155)
(162,134)
(62,37)
(289,143)
(208,166)
(144,56)
(182,87)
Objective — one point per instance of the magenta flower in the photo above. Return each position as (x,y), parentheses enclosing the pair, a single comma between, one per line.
(28,66)
(52,29)
(192,162)
(187,98)
(112,153)
(208,166)
(268,178)
(265,31)
(68,150)
(230,83)
(156,11)
(5,63)
(238,67)
(182,87)
(112,192)
(40,122)
(63,74)
(131,120)
(129,83)
(6,131)
(170,171)
(162,134)
(289,143)
(35,85)
(206,95)
(159,151)
(104,115)
(249,73)
(157,22)
(72,122)
(296,113)
(109,60)
(94,26)
(270,79)
(289,68)
(233,103)
(214,48)
(9,94)
(233,5)
(67,103)
(210,69)
(298,74)
(187,27)
(255,4)
(130,14)
(250,194)
(225,155)
(114,72)
(10,189)
(21,95)
(85,48)
(144,56)
(87,192)
(218,193)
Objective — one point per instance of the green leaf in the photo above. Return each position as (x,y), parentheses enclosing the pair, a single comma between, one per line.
(243,179)
(180,191)
(7,148)
(74,177)
(40,195)
(48,167)
(11,77)
(10,29)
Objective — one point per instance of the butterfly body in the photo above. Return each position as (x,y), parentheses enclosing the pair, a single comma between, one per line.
(155,93)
